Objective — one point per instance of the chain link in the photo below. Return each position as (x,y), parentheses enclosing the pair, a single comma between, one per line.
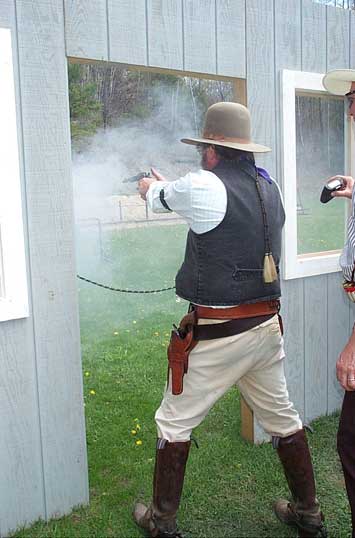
(120,290)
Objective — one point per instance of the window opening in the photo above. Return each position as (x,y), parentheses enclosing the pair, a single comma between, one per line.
(315,146)
(320,150)
(123,121)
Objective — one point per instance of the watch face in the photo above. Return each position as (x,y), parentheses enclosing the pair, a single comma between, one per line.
(334,184)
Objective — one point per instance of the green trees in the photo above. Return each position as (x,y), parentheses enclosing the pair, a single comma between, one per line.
(104,95)
(85,108)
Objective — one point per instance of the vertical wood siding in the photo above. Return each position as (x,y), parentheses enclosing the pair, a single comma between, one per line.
(230,22)
(315,346)
(21,474)
(260,62)
(86,29)
(200,53)
(352,40)
(314,37)
(43,468)
(128,31)
(338,35)
(165,33)
(47,161)
(43,458)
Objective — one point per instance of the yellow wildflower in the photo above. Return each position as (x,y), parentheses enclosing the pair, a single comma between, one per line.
(139,442)
(115,333)
(133,432)
(87,374)
(138,427)
(92,392)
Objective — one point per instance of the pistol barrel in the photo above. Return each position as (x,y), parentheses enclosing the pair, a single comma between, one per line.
(137,177)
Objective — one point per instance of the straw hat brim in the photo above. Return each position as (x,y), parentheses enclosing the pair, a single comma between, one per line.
(339,81)
(249,146)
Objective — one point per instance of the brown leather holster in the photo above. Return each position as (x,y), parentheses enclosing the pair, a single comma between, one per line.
(185,338)
(181,343)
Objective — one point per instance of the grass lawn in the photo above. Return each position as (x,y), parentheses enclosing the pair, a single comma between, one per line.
(230,484)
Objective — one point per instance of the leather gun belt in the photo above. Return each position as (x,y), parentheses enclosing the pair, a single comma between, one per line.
(250,310)
(238,319)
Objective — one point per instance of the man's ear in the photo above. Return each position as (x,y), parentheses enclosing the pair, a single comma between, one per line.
(212,157)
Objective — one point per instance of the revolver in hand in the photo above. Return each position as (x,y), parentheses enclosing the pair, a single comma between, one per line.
(137,177)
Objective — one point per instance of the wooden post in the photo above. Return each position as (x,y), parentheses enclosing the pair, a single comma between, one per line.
(240,91)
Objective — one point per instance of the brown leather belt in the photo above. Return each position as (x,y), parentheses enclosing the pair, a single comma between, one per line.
(252,310)
(228,328)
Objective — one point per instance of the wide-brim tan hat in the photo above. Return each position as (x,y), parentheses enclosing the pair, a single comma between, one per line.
(339,81)
(228,125)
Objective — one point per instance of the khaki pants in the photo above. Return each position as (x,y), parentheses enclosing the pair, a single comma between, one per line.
(254,361)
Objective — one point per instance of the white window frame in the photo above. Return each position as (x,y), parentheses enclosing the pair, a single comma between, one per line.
(295,265)
(14,294)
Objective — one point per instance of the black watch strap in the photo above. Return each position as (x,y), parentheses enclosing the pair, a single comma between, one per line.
(162,199)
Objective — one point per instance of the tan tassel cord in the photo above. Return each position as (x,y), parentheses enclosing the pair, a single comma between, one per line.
(270,273)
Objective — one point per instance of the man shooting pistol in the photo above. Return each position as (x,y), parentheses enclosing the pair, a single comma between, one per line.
(231,335)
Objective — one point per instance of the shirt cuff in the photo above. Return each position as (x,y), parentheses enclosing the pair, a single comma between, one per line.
(153,197)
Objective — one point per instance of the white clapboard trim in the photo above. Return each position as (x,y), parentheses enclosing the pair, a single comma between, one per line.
(295,266)
(14,296)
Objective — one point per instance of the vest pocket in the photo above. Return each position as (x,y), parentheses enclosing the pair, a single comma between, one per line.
(246,273)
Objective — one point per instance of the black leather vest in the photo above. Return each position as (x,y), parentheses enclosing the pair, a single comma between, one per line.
(224,267)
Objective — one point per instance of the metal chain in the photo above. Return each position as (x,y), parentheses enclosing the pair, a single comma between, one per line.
(122,290)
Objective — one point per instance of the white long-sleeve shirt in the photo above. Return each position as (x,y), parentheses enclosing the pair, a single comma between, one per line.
(199,197)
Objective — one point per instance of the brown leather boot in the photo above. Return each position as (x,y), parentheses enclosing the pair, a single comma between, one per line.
(303,512)
(159,519)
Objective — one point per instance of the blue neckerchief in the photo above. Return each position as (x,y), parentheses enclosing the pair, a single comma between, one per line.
(264,174)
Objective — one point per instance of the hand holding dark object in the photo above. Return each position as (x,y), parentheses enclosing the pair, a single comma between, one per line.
(145,182)
(334,184)
(345,366)
(347,190)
